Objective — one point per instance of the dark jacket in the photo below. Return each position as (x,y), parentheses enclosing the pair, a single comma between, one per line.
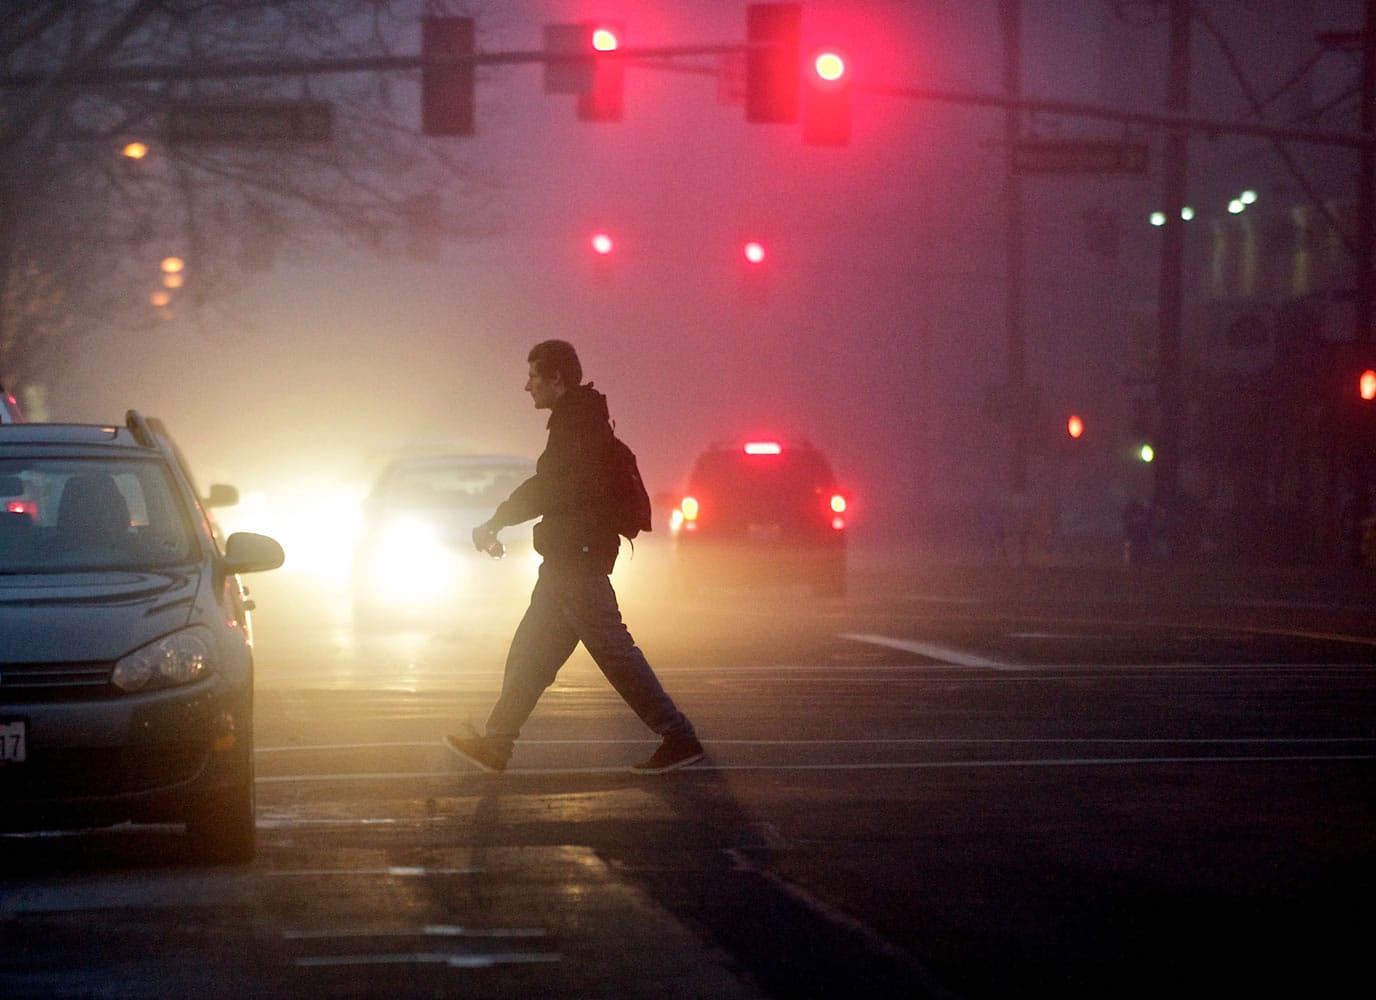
(569,489)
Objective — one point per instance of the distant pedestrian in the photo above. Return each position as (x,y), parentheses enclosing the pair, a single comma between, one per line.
(573,600)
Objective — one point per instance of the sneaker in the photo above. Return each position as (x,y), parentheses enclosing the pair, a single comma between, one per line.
(671,754)
(481,751)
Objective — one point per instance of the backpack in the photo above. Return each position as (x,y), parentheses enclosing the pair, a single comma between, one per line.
(630,503)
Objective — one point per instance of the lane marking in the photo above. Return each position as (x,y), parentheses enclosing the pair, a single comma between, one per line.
(429,930)
(945,654)
(431,958)
(876,766)
(861,741)
(392,871)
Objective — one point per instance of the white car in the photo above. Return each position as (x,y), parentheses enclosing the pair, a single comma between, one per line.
(415,560)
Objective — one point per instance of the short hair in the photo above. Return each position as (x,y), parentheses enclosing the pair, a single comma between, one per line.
(551,357)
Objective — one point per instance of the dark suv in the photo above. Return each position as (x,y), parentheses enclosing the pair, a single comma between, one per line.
(126,658)
(761,512)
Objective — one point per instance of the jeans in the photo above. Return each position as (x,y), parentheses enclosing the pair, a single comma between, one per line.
(568,606)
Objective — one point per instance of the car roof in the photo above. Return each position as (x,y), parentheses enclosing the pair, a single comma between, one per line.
(462,461)
(467,459)
(732,459)
(89,435)
(137,434)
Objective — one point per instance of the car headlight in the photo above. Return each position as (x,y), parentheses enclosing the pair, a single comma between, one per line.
(179,658)
(410,562)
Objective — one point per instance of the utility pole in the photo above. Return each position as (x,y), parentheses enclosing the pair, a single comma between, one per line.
(1171,294)
(1010,19)
(1366,188)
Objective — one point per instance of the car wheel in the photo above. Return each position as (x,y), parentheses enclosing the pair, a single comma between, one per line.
(223,826)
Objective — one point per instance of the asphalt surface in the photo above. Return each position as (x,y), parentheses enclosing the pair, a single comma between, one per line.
(961,781)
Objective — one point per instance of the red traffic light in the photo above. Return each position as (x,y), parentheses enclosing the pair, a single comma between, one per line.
(606,101)
(826,111)
(602,243)
(1075,427)
(1366,384)
(829,66)
(754,252)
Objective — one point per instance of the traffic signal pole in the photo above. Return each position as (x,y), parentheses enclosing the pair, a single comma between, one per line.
(1010,20)
(1365,332)
(1171,288)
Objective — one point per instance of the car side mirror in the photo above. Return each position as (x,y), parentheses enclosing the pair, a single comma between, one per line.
(221,495)
(246,552)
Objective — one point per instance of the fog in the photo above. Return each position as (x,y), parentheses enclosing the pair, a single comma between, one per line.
(883,320)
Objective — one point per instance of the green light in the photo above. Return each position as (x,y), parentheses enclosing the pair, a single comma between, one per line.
(1146,453)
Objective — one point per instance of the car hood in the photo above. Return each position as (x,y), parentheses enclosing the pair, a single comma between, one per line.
(90,616)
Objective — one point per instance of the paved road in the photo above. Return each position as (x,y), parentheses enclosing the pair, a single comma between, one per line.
(956,783)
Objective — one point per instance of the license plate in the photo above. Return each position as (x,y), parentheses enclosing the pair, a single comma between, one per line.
(13,742)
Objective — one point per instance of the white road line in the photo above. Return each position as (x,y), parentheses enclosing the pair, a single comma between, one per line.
(945,654)
(852,741)
(431,958)
(392,871)
(429,930)
(874,766)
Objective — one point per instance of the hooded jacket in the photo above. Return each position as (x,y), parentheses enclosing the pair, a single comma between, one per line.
(569,491)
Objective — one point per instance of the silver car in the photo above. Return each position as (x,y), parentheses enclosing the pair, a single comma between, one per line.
(126,667)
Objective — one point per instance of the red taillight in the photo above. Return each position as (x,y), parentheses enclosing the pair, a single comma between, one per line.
(838,503)
(838,523)
(763,448)
(22,507)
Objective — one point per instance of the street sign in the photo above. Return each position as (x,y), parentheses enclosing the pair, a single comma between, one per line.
(1080,156)
(232,122)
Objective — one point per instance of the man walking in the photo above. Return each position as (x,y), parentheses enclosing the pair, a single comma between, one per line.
(573,600)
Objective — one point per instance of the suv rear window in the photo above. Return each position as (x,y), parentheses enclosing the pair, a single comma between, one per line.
(757,483)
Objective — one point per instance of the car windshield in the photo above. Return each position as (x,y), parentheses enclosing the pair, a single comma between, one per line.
(454,485)
(71,515)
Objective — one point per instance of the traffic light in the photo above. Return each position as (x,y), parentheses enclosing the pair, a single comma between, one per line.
(1075,427)
(446,85)
(605,102)
(754,271)
(826,112)
(773,32)
(1366,385)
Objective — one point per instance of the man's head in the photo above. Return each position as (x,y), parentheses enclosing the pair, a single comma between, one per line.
(554,369)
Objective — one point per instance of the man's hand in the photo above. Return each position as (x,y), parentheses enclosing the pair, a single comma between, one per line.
(483,537)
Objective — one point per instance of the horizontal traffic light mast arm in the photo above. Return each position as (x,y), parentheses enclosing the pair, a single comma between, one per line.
(352,64)
(1210,126)
(360,64)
